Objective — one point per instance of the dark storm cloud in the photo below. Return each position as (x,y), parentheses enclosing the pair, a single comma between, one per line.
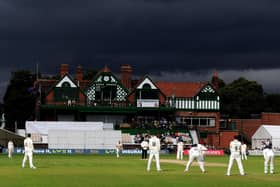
(156,31)
(154,36)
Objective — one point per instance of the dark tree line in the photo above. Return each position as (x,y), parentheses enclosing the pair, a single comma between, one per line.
(243,98)
(19,99)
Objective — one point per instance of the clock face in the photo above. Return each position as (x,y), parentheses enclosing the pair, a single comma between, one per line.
(106,78)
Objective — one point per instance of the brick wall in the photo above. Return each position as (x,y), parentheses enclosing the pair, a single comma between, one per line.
(211,139)
(248,127)
(226,137)
(270,118)
(50,98)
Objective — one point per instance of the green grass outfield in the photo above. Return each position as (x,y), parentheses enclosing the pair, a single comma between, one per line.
(129,171)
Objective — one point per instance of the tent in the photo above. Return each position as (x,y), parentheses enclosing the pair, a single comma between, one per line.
(265,132)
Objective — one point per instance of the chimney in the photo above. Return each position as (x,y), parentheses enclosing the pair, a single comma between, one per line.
(64,69)
(79,73)
(215,80)
(126,71)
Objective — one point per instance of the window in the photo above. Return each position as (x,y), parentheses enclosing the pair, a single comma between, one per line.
(195,121)
(146,86)
(105,93)
(198,121)
(188,121)
(203,122)
(66,85)
(109,93)
(147,94)
(212,123)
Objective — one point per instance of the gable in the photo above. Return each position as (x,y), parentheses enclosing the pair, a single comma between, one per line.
(99,84)
(208,89)
(66,80)
(261,133)
(65,90)
(106,78)
(147,81)
(207,93)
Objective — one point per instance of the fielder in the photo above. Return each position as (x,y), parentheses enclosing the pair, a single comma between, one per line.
(235,147)
(196,152)
(28,151)
(268,155)
(10,149)
(154,147)
(243,151)
(144,147)
(180,150)
(118,148)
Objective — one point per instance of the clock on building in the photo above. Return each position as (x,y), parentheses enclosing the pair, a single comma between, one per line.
(106,78)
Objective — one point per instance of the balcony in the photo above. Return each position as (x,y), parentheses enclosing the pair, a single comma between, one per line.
(147,103)
(109,106)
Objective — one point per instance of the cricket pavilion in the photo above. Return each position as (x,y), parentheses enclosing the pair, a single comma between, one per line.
(142,105)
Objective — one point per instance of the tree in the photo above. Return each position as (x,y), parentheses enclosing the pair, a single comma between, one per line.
(19,99)
(272,103)
(241,98)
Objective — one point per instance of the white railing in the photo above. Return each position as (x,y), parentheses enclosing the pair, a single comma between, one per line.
(142,103)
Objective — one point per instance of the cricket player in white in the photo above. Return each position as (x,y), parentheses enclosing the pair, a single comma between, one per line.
(180,150)
(28,152)
(10,149)
(196,152)
(235,147)
(118,149)
(154,147)
(268,155)
(243,151)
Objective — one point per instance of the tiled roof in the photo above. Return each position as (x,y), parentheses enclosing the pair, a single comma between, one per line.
(180,89)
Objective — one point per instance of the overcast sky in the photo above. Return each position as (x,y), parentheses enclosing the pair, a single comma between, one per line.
(182,40)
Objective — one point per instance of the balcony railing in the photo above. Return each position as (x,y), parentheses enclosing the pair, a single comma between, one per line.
(140,103)
(151,103)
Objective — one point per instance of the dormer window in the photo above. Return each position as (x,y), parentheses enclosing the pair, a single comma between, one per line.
(66,85)
(146,86)
(147,92)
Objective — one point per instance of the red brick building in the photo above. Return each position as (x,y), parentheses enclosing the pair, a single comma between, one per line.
(140,104)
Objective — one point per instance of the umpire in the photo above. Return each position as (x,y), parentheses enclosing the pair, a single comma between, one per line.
(144,147)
